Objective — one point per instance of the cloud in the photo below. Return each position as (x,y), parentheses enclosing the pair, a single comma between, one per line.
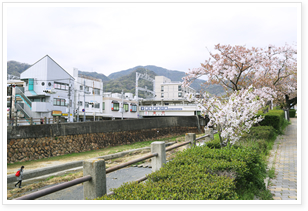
(111,37)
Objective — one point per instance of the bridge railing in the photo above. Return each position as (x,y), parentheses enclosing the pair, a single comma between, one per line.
(95,182)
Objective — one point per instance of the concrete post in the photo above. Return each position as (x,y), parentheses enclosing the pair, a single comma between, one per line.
(31,121)
(97,186)
(192,138)
(45,120)
(208,131)
(160,148)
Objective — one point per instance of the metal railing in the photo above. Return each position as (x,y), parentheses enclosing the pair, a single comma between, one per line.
(191,141)
(29,121)
(53,189)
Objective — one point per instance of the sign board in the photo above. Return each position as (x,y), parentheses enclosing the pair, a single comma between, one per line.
(56,113)
(83,110)
(64,114)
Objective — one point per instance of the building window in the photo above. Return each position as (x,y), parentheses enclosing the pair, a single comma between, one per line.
(180,94)
(58,102)
(96,91)
(43,84)
(103,105)
(61,86)
(179,88)
(49,84)
(162,95)
(162,88)
(87,89)
(86,104)
(134,108)
(96,105)
(126,107)
(81,87)
(79,103)
(115,106)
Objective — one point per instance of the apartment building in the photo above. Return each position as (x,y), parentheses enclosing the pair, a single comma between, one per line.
(47,92)
(165,89)
(88,98)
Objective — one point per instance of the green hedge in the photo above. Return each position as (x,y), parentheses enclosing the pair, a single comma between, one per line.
(200,173)
(273,118)
(262,132)
(292,113)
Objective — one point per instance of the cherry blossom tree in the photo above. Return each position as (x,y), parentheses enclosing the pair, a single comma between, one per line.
(235,115)
(253,77)
(237,67)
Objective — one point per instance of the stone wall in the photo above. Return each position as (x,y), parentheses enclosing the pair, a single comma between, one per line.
(27,147)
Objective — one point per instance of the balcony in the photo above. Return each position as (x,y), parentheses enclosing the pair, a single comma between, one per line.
(41,107)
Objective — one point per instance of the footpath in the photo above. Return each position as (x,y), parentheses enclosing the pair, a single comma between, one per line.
(284,160)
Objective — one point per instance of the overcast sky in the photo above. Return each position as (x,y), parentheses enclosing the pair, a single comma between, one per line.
(111,37)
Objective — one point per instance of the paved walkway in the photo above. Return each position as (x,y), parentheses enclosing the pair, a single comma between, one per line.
(284,185)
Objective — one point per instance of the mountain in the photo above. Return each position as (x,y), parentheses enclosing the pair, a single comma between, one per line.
(15,68)
(95,75)
(174,75)
(127,83)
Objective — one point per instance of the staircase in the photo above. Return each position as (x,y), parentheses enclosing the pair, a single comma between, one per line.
(26,110)
(20,93)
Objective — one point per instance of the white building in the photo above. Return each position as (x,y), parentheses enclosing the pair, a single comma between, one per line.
(88,99)
(169,100)
(165,89)
(48,90)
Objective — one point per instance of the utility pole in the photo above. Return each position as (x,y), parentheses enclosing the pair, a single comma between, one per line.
(78,108)
(84,100)
(122,111)
(69,102)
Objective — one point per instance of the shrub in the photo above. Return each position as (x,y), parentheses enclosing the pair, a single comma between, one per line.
(262,132)
(214,144)
(292,113)
(200,173)
(273,118)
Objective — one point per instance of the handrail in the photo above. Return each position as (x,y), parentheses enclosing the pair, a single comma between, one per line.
(176,146)
(201,137)
(111,169)
(54,188)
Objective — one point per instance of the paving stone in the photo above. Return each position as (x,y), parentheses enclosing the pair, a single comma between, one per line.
(285,150)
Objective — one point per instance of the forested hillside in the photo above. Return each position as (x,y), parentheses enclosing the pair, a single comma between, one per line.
(15,68)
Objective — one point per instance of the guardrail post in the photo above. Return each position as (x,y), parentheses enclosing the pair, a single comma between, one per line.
(96,187)
(45,120)
(192,138)
(31,121)
(208,131)
(160,148)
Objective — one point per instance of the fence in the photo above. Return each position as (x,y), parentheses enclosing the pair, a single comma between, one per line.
(95,180)
(31,121)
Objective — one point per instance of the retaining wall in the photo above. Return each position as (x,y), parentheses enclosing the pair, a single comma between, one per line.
(40,141)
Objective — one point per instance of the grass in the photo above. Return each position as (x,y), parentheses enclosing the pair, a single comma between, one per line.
(96,153)
(271,173)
